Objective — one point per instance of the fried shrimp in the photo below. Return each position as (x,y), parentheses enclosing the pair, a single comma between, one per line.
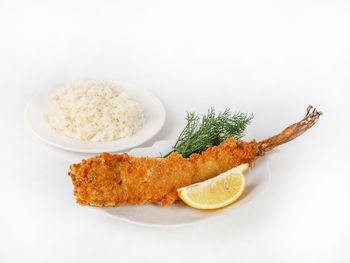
(118,179)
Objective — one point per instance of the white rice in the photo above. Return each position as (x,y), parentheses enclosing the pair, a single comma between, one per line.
(91,110)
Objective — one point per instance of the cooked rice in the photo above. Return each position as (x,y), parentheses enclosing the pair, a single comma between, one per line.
(92,110)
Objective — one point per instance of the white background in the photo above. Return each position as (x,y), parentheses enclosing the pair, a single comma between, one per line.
(272,58)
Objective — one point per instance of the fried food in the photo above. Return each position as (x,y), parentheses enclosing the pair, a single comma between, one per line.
(113,179)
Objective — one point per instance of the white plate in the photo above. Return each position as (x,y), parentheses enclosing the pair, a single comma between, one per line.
(154,114)
(257,176)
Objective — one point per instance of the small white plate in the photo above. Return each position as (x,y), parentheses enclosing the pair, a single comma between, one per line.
(154,115)
(257,176)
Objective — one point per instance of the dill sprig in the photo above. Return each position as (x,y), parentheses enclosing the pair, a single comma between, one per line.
(210,129)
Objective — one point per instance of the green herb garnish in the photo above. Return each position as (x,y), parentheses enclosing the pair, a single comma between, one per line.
(209,130)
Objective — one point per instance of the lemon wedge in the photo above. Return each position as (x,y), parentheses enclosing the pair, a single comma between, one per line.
(216,192)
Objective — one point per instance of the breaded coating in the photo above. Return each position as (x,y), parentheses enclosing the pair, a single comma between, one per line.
(113,179)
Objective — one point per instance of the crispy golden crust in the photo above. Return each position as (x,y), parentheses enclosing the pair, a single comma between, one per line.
(112,180)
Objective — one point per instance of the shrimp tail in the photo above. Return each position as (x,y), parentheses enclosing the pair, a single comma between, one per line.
(290,133)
